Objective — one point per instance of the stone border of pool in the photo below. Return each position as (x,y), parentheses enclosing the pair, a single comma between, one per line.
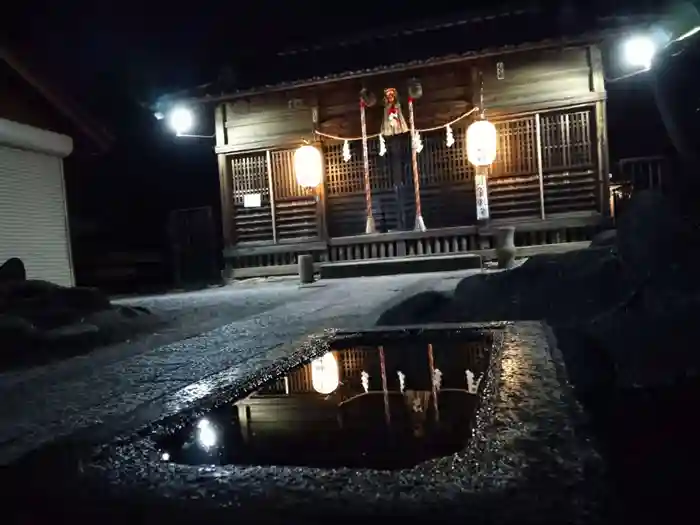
(528,461)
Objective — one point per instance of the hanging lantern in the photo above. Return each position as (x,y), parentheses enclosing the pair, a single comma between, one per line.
(481,143)
(325,376)
(308,166)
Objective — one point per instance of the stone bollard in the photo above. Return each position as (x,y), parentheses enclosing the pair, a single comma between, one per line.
(306,269)
(505,246)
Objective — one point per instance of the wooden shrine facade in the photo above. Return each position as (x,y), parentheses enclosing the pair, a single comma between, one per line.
(550,174)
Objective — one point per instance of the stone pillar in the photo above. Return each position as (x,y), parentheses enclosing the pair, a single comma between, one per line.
(505,246)
(306,269)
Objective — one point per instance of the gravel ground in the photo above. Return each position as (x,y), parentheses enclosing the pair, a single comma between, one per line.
(243,319)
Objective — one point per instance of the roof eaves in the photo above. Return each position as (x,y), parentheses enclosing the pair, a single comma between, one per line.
(584,39)
(100,136)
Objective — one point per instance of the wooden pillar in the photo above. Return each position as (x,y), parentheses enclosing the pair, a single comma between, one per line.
(322,203)
(597,85)
(321,191)
(225,180)
(540,172)
(271,193)
(226,195)
(601,125)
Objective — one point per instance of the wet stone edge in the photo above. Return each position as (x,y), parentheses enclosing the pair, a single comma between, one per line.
(480,481)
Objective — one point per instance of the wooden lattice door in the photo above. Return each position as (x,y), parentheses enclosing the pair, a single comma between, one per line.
(252,207)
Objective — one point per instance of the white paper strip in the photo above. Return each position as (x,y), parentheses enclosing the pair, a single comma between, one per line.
(482,198)
(252,200)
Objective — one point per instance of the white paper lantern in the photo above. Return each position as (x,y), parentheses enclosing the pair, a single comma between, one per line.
(308,166)
(481,143)
(325,376)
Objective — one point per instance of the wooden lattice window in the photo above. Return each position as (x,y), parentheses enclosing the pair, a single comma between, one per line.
(249,176)
(566,140)
(348,177)
(283,176)
(353,362)
(517,147)
(438,164)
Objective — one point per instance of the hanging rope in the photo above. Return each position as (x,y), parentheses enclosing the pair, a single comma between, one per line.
(425,130)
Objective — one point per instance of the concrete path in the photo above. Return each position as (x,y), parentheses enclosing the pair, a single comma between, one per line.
(47,402)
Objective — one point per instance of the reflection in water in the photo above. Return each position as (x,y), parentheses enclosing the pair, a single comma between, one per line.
(386,407)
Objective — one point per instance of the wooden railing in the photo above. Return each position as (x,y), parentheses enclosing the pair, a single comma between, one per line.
(632,175)
(558,233)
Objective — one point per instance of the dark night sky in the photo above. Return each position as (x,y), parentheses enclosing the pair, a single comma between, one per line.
(152,46)
(111,55)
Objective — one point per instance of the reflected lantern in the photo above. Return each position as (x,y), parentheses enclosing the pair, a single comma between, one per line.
(481,143)
(325,376)
(308,166)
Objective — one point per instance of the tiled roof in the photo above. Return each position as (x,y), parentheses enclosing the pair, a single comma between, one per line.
(387,51)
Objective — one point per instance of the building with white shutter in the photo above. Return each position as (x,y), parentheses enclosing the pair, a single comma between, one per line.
(38,130)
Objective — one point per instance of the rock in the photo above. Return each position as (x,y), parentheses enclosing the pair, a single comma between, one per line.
(421,308)
(604,238)
(650,348)
(129,312)
(71,333)
(559,288)
(83,299)
(652,236)
(13,270)
(113,317)
(28,290)
(13,328)
(53,307)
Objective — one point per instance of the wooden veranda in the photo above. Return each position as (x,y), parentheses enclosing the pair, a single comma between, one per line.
(546,181)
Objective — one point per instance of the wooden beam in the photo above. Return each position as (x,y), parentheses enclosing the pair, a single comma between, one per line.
(563,221)
(219,119)
(597,73)
(269,271)
(270,249)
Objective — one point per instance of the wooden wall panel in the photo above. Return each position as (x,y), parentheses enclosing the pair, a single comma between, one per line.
(534,80)
(537,79)
(274,121)
(446,95)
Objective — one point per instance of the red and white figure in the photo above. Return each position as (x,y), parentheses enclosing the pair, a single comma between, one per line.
(393,123)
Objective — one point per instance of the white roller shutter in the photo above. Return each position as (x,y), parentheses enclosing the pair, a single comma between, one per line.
(33,219)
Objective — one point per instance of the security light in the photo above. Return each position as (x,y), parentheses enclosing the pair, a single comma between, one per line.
(638,51)
(181,120)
